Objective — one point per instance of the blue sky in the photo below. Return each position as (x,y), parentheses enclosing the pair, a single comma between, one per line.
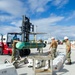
(55,17)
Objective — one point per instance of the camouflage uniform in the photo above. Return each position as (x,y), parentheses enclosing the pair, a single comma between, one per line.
(68,51)
(40,49)
(53,47)
(15,52)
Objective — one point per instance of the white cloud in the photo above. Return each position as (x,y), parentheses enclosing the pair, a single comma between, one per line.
(61,31)
(41,23)
(18,7)
(13,7)
(6,29)
(71,16)
(6,18)
(38,5)
(45,23)
(48,25)
(67,31)
(57,2)
(60,3)
(17,23)
(40,9)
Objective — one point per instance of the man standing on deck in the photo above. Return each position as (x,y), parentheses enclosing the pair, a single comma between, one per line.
(53,47)
(68,50)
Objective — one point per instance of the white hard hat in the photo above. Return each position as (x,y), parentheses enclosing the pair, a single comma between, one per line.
(52,38)
(65,37)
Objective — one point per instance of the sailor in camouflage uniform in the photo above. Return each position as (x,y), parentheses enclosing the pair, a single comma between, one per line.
(53,47)
(68,50)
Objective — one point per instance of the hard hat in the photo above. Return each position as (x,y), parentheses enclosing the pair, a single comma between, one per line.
(52,38)
(65,37)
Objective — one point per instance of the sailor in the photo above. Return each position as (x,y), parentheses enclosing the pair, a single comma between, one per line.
(15,37)
(40,49)
(53,47)
(68,50)
(15,52)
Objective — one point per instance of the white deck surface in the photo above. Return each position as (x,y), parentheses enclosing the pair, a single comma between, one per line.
(65,70)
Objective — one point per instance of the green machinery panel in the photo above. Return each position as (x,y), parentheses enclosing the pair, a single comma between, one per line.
(25,45)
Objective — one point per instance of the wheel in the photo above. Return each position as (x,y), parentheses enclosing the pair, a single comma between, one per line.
(9,53)
(26,52)
(1,51)
(21,52)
